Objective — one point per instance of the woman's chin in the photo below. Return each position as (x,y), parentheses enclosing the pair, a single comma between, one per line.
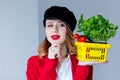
(56,42)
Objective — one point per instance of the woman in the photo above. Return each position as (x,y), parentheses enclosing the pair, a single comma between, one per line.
(57,53)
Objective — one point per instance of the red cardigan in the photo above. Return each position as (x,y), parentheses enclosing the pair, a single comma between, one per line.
(45,69)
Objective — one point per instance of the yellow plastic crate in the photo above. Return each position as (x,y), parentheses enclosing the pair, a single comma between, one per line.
(92,51)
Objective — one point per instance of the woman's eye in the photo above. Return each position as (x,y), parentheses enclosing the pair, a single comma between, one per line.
(61,25)
(50,25)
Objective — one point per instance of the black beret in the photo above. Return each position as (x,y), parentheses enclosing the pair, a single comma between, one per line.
(62,13)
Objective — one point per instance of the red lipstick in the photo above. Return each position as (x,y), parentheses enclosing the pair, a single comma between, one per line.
(55,37)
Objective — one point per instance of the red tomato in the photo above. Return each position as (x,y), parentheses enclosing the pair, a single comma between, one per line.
(76,36)
(82,39)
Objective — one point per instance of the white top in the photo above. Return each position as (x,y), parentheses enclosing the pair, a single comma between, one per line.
(65,72)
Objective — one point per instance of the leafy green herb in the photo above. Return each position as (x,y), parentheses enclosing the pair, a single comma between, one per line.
(97,28)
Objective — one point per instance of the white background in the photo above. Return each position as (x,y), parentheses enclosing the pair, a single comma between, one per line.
(18,36)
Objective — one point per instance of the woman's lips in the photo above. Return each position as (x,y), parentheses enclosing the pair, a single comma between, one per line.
(55,37)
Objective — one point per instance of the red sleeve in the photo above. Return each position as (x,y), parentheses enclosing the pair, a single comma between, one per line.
(37,70)
(90,76)
(81,72)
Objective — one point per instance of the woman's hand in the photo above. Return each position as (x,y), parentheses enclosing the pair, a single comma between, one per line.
(54,51)
(85,63)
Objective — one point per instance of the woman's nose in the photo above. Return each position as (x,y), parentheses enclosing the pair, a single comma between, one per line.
(55,29)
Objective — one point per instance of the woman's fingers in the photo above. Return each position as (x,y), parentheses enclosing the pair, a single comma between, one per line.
(90,62)
(54,50)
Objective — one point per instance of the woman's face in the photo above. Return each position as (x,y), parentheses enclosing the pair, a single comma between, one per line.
(56,31)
